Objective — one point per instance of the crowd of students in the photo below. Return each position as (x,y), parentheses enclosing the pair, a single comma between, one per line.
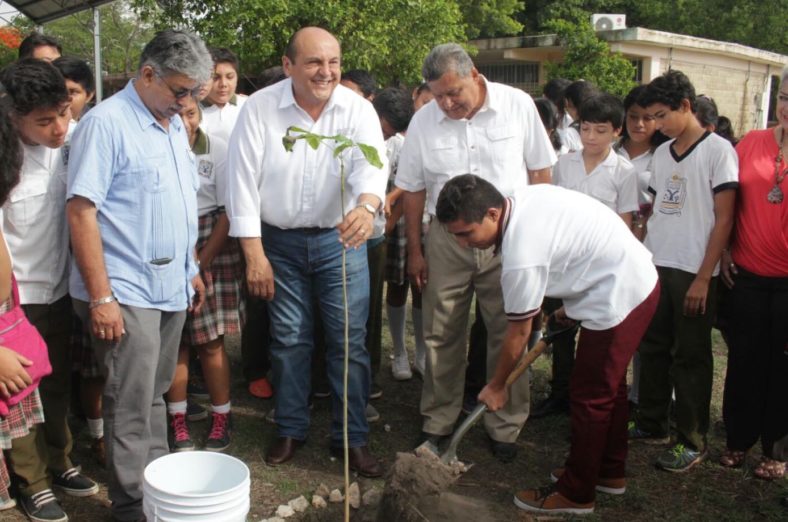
(662,160)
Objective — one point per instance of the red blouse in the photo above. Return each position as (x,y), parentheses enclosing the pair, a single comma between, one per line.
(760,240)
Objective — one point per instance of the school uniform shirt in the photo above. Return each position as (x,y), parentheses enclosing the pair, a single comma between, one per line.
(300,188)
(684,188)
(220,121)
(35,225)
(642,166)
(210,154)
(563,244)
(570,139)
(613,182)
(500,143)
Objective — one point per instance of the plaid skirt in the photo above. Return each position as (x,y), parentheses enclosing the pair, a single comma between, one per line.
(223,311)
(17,423)
(83,355)
(397,252)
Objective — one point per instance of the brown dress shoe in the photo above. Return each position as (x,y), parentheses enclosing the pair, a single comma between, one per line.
(282,450)
(361,461)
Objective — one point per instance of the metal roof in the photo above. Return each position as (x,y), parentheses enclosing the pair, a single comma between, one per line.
(42,11)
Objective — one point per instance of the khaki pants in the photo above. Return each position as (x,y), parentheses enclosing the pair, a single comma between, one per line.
(455,273)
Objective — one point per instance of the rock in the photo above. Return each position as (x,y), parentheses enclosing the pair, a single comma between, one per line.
(285,511)
(318,502)
(323,491)
(371,497)
(299,504)
(335,496)
(386,428)
(354,496)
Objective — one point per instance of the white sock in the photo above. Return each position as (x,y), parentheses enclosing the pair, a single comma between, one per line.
(176,407)
(418,330)
(96,427)
(396,315)
(222,408)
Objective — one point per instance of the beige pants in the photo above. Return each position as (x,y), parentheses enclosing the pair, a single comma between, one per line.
(455,273)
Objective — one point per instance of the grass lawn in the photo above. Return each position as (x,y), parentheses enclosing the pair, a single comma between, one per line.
(708,492)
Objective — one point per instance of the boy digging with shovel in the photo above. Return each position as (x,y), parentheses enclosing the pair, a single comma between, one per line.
(559,243)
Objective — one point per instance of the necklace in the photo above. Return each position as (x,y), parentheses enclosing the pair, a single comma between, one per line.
(775,195)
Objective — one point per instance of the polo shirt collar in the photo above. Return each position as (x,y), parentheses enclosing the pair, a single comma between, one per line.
(232,101)
(142,112)
(201,143)
(503,223)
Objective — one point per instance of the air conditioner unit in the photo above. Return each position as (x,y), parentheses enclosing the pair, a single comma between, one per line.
(608,22)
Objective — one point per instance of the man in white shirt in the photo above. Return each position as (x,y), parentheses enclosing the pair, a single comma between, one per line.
(491,130)
(562,244)
(296,196)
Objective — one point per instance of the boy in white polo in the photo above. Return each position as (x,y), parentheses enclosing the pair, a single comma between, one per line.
(559,243)
(693,180)
(597,171)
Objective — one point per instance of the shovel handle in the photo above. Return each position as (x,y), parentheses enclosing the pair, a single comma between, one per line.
(526,361)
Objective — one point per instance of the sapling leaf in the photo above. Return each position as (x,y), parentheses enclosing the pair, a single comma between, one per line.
(370,154)
(312,140)
(340,148)
(289,141)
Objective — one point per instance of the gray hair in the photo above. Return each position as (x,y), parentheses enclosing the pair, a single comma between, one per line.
(444,58)
(178,52)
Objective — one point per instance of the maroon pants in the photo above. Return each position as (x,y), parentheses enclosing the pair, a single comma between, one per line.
(598,402)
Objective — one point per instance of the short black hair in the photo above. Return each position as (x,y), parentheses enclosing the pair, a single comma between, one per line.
(706,111)
(364,79)
(423,86)
(224,55)
(77,71)
(635,97)
(554,90)
(670,89)
(395,106)
(548,113)
(10,152)
(34,40)
(602,108)
(579,91)
(725,129)
(467,197)
(33,84)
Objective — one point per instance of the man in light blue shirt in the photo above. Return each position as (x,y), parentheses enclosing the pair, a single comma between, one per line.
(132,209)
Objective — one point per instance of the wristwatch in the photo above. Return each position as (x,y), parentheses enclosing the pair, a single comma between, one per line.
(369,208)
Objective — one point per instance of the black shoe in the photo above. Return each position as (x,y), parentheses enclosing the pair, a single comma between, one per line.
(503,451)
(376,392)
(43,507)
(72,482)
(550,406)
(221,428)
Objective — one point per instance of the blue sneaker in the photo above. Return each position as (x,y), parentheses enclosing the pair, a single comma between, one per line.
(680,458)
(636,433)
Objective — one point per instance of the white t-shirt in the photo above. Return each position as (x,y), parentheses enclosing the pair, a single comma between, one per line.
(642,166)
(612,182)
(683,189)
(220,121)
(563,244)
(212,171)
(500,143)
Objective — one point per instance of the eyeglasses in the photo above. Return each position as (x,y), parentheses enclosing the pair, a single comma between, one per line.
(181,93)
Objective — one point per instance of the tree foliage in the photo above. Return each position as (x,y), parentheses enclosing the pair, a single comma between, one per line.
(589,58)
(123,35)
(389,38)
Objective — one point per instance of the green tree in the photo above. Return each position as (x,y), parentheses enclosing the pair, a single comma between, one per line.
(123,35)
(389,38)
(590,58)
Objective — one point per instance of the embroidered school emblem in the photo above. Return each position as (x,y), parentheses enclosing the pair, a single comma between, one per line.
(65,150)
(674,195)
(205,168)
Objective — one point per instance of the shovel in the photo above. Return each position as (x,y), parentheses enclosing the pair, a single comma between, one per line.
(449,456)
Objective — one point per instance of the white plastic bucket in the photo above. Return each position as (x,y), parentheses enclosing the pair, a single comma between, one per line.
(196,486)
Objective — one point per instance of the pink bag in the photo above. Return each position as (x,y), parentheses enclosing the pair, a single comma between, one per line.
(17,334)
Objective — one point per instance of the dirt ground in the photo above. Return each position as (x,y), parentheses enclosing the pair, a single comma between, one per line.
(484,493)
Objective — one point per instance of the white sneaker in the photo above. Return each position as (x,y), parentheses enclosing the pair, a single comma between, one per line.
(400,368)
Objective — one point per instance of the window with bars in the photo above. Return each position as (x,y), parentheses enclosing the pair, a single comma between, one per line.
(524,75)
(638,63)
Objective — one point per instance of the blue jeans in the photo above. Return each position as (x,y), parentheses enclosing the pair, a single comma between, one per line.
(307,264)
